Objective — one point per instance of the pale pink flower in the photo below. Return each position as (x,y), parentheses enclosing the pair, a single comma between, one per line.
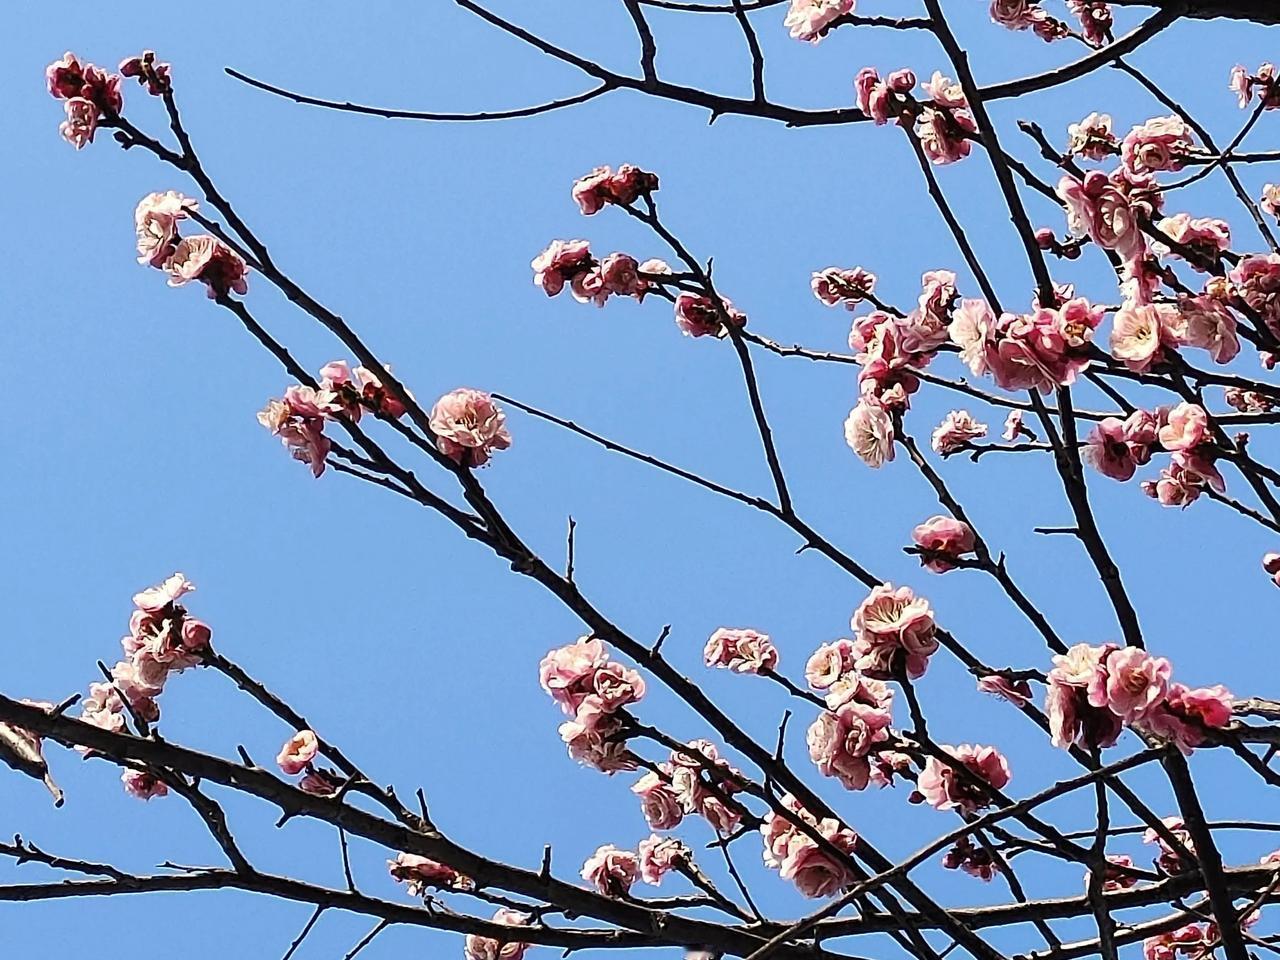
(376,395)
(699,316)
(1115,875)
(868,431)
(836,285)
(840,742)
(945,134)
(829,663)
(875,97)
(156,221)
(602,187)
(1271,199)
(1071,716)
(810,19)
(1092,138)
(566,671)
(1017,692)
(559,263)
(81,123)
(973,860)
(1136,335)
(1099,208)
(943,788)
(944,540)
(659,856)
(1169,860)
(659,803)
(156,599)
(476,947)
(421,873)
(594,739)
(210,261)
(1115,448)
(68,79)
(611,871)
(795,855)
(1257,281)
(1136,683)
(298,751)
(945,92)
(1015,14)
(319,783)
(889,621)
(1209,325)
(1190,941)
(740,650)
(154,76)
(469,426)
(1013,427)
(1248,401)
(956,430)
(1205,236)
(1162,143)
(1185,426)
(143,784)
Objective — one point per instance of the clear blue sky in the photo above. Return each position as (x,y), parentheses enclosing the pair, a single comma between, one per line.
(133,449)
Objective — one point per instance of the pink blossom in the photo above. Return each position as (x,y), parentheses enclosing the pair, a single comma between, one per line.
(319,783)
(594,739)
(1092,138)
(476,947)
(945,134)
(658,802)
(1170,860)
(686,770)
(698,316)
(1017,692)
(1162,143)
(850,287)
(299,423)
(840,742)
(1138,333)
(1210,326)
(611,871)
(1039,351)
(1136,683)
(1115,448)
(581,675)
(158,598)
(1115,874)
(1015,14)
(1247,401)
(795,855)
(81,123)
(1187,713)
(875,97)
(1185,426)
(298,751)
(156,220)
(377,396)
(828,663)
(1071,716)
(742,651)
(1264,83)
(1095,19)
(602,187)
(1013,427)
(143,784)
(68,79)
(1271,199)
(154,76)
(973,860)
(944,540)
(1191,940)
(659,856)
(1099,208)
(1257,281)
(1205,236)
(943,788)
(957,429)
(868,431)
(810,19)
(210,261)
(945,92)
(469,426)
(421,873)
(889,621)
(559,263)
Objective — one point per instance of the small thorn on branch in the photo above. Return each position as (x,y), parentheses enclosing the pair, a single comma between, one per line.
(662,638)
(545,870)
(1071,531)
(568,572)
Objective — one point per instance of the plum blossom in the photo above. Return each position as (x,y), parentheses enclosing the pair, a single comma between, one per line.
(1115,874)
(1265,83)
(957,429)
(1116,448)
(658,856)
(1248,401)
(1209,325)
(602,187)
(945,134)
(143,784)
(1071,716)
(1099,208)
(611,871)
(81,123)
(943,541)
(1205,237)
(476,947)
(1271,199)
(973,860)
(1013,427)
(1256,280)
(1140,332)
(1169,860)
(469,426)
(810,19)
(685,770)
(156,221)
(1017,692)
(90,94)
(835,285)
(1185,426)
(1192,940)
(945,789)
(421,873)
(1162,143)
(741,650)
(658,801)
(595,739)
(154,76)
(298,418)
(868,431)
(798,858)
(1039,351)
(298,752)
(883,99)
(945,92)
(829,663)
(560,263)
(590,688)
(699,316)
(1135,682)
(840,740)
(1092,137)
(210,261)
(890,623)
(1095,19)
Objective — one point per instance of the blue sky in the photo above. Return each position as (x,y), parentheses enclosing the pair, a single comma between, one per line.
(134,451)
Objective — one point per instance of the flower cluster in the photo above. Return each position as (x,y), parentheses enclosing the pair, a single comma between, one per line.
(1105,209)
(1027,15)
(895,630)
(943,124)
(611,871)
(1202,238)
(847,286)
(155,77)
(973,860)
(591,689)
(469,426)
(741,650)
(1092,138)
(91,95)
(943,542)
(1116,448)
(476,947)
(202,257)
(955,432)
(1160,144)
(571,263)
(1265,83)
(659,856)
(944,787)
(842,740)
(1037,351)
(1184,432)
(602,187)
(1256,281)
(676,789)
(811,19)
(797,857)
(1094,691)
(887,99)
(421,874)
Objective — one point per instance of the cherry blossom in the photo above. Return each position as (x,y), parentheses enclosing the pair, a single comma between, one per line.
(700,316)
(810,19)
(1116,448)
(1092,138)
(742,651)
(957,429)
(945,789)
(298,752)
(841,741)
(658,801)
(476,947)
(945,134)
(658,856)
(1162,143)
(469,426)
(798,858)
(835,285)
(611,871)
(559,263)
(602,187)
(1102,210)
(869,432)
(894,626)
(210,261)
(943,541)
